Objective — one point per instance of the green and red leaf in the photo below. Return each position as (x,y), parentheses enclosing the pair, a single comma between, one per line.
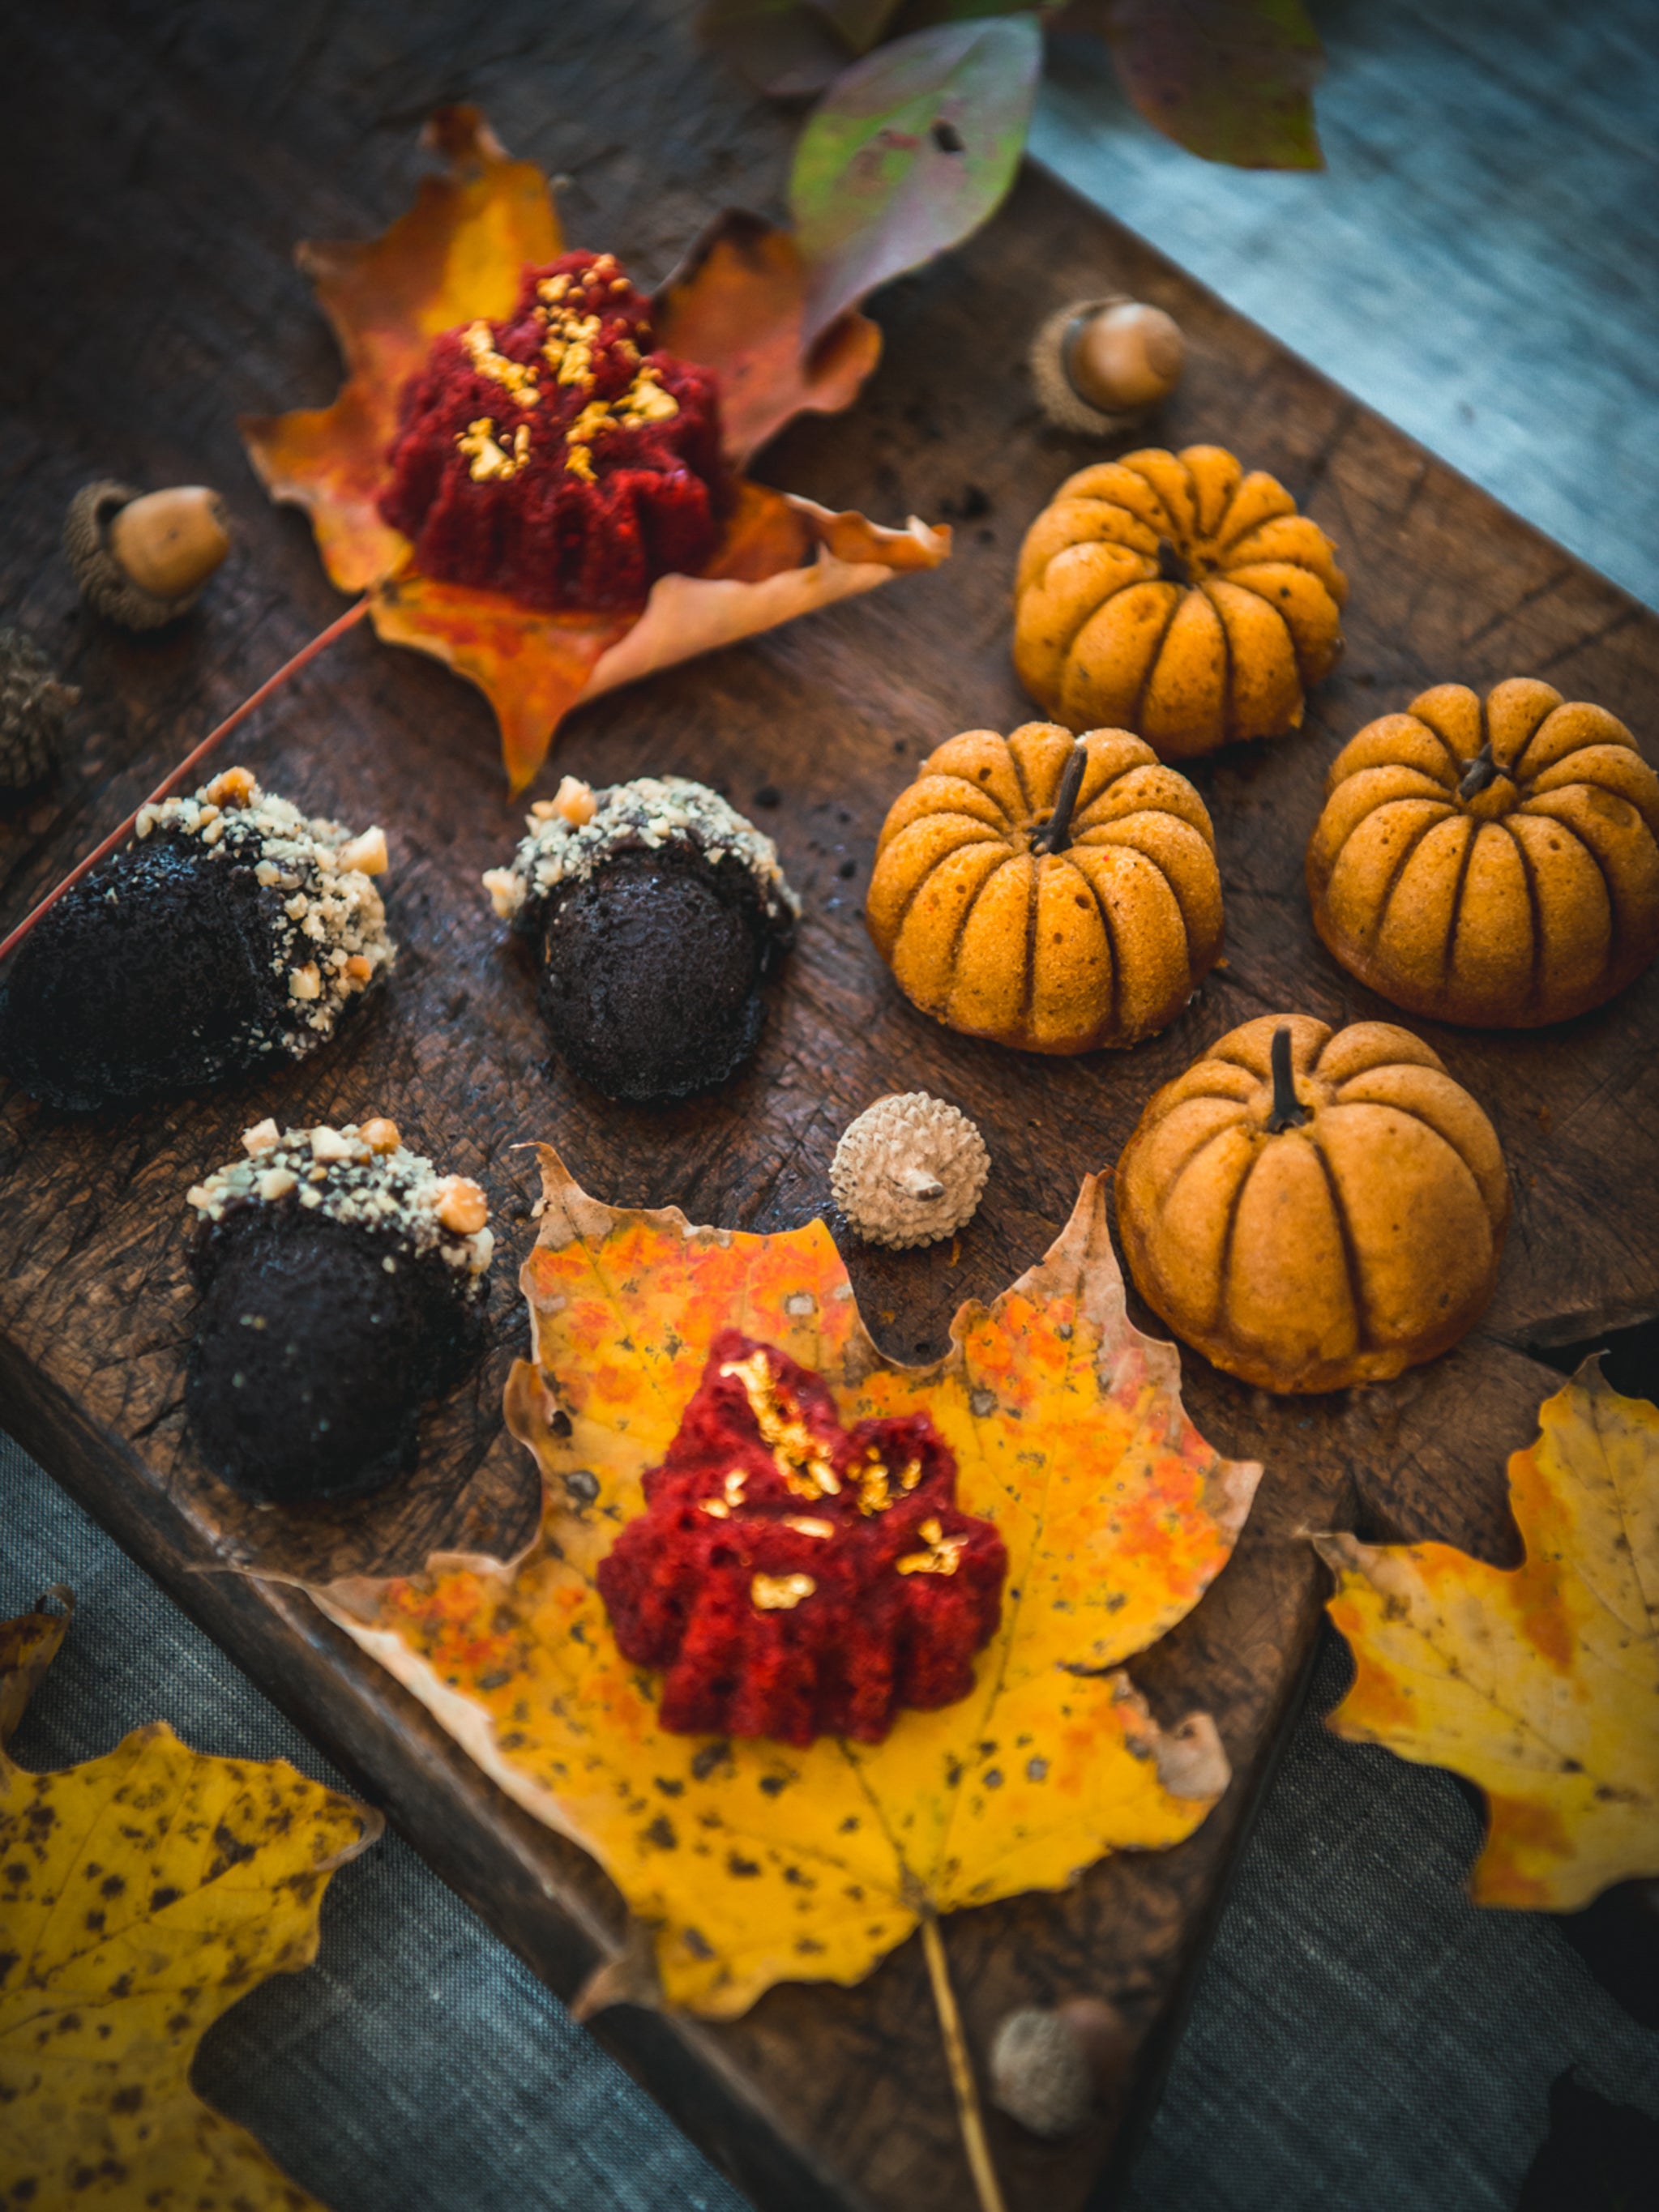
(1231,79)
(910,152)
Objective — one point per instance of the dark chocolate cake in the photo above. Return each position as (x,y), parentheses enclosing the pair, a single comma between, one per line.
(341,1281)
(658,913)
(232,929)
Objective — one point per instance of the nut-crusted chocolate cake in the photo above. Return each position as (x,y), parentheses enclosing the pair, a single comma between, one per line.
(342,1279)
(657,913)
(231,931)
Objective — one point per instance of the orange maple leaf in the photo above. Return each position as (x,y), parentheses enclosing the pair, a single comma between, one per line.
(755,1862)
(735,307)
(1541,1683)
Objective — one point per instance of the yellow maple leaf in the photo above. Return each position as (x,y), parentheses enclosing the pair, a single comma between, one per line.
(142,1894)
(756,1862)
(1541,1683)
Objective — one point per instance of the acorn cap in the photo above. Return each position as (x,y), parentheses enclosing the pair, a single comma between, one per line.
(142,559)
(1054,2069)
(910,1170)
(1099,366)
(33,705)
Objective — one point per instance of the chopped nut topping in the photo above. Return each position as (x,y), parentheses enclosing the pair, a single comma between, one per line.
(232,786)
(461,1205)
(780,1593)
(365,1178)
(804,1524)
(366,853)
(646,814)
(574,801)
(505,891)
(259,1139)
(357,968)
(306,982)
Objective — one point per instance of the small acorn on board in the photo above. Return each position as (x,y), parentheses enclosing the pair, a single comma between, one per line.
(33,705)
(910,1170)
(144,559)
(1054,2069)
(1101,366)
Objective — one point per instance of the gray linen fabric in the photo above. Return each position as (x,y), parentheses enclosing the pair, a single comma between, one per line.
(1363,2039)
(1475,262)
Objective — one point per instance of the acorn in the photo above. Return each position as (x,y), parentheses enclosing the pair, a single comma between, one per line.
(1054,2070)
(142,559)
(33,705)
(1101,365)
(910,1170)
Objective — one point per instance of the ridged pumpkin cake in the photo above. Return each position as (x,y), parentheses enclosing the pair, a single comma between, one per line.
(1493,864)
(1174,595)
(1313,1209)
(1050,892)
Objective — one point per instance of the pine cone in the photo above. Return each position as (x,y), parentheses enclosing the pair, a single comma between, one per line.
(33,705)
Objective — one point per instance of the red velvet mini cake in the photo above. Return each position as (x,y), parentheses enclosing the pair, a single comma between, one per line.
(792,1578)
(555,457)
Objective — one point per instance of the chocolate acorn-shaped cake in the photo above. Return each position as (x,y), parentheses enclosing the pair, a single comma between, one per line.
(657,913)
(231,931)
(342,1279)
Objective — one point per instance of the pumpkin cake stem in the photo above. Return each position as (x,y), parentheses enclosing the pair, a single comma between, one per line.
(1056,834)
(1287,1111)
(1482,770)
(1171,567)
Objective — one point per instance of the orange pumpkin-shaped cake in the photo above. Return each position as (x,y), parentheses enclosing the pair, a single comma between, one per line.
(1311,1210)
(1050,892)
(1496,866)
(1172,595)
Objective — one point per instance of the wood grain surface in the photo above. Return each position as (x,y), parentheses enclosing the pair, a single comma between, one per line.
(161,163)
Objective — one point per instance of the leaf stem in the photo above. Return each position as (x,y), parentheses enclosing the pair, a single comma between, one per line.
(987,2187)
(322,640)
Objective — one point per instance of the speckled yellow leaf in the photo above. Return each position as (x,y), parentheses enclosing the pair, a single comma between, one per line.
(1540,1684)
(141,1895)
(756,1862)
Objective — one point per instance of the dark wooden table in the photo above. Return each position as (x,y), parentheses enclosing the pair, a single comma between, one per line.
(161,163)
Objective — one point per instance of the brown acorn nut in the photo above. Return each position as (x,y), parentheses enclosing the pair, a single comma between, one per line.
(1311,1210)
(142,559)
(1053,893)
(1173,595)
(1496,865)
(1101,365)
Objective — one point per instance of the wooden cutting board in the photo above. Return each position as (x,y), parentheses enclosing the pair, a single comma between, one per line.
(158,181)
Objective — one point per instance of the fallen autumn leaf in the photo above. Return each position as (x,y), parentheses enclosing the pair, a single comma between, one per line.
(147,1891)
(754,1862)
(1541,1683)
